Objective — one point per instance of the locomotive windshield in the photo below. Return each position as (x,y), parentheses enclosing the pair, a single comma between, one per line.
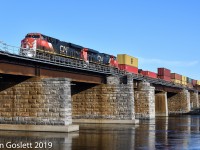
(32,36)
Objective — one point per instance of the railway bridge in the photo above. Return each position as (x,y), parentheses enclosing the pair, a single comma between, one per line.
(60,91)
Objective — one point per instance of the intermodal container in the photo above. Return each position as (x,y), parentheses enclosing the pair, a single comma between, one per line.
(164,72)
(198,82)
(194,82)
(127,60)
(166,78)
(189,80)
(149,74)
(176,76)
(183,82)
(184,78)
(128,68)
(176,81)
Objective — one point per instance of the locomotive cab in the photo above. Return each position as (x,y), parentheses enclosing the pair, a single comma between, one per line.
(29,45)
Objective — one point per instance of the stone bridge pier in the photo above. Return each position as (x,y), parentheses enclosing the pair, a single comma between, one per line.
(36,105)
(144,101)
(179,103)
(194,99)
(106,103)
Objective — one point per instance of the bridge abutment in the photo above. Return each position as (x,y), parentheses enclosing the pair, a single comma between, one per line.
(37,105)
(144,97)
(161,107)
(179,103)
(106,103)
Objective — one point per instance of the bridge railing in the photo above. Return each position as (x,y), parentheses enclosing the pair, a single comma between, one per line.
(9,48)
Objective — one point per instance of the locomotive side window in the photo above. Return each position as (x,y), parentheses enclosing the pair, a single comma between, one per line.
(48,39)
(51,40)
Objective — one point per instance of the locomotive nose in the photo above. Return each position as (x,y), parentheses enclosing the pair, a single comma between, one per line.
(28,47)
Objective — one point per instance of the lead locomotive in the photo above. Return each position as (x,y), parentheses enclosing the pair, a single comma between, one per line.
(34,42)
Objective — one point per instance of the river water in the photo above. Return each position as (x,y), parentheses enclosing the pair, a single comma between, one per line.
(164,133)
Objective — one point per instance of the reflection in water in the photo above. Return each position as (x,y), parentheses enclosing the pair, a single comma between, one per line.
(106,137)
(162,133)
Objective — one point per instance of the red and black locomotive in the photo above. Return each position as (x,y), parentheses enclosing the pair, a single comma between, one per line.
(34,42)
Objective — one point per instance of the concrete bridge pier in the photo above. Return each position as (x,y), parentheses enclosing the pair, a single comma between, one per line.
(161,107)
(144,97)
(37,105)
(194,100)
(178,103)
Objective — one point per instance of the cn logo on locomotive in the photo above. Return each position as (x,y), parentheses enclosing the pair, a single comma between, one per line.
(63,49)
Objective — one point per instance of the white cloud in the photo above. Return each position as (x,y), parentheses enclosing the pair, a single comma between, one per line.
(168,62)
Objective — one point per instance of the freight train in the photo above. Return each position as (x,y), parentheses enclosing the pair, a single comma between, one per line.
(35,42)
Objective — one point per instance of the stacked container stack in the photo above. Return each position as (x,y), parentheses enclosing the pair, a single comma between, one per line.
(184,80)
(149,74)
(128,63)
(189,82)
(164,74)
(194,82)
(176,78)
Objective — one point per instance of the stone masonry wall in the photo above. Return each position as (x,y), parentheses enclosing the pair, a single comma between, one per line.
(179,103)
(199,99)
(194,100)
(37,101)
(107,101)
(144,98)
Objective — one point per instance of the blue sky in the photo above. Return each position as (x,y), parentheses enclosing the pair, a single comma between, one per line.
(161,33)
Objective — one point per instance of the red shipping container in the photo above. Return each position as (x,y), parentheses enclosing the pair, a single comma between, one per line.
(164,72)
(149,74)
(194,82)
(176,76)
(166,78)
(128,68)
